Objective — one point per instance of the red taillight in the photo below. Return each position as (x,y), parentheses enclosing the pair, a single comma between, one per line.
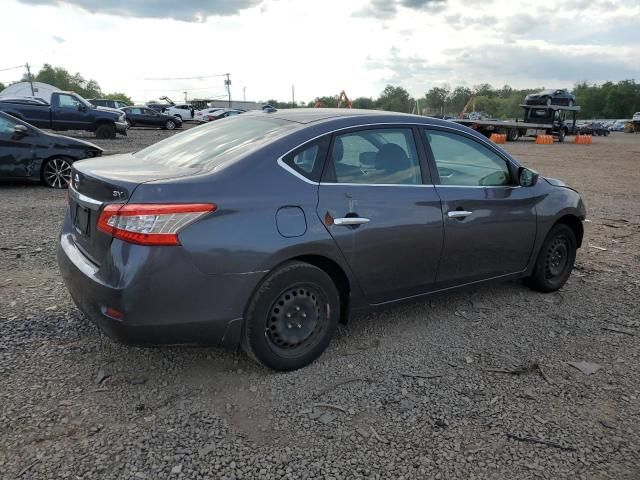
(150,224)
(211,118)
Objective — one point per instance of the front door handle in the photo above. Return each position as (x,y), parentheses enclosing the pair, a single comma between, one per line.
(458,213)
(350,221)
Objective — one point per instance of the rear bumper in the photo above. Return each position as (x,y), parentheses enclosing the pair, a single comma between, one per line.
(121,128)
(162,296)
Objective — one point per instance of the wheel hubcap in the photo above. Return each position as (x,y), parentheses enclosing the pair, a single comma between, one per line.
(557,257)
(295,319)
(57,173)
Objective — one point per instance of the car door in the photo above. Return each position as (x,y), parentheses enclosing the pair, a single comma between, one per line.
(489,220)
(70,113)
(17,152)
(377,202)
(152,118)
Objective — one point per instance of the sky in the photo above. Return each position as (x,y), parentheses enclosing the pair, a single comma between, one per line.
(149,48)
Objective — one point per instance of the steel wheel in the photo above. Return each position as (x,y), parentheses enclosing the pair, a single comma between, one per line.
(296,320)
(556,258)
(170,125)
(57,173)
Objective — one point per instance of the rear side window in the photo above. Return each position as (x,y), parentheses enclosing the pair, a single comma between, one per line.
(309,159)
(211,144)
(383,156)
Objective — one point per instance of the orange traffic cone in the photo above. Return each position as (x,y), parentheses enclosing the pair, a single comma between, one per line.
(544,139)
(498,138)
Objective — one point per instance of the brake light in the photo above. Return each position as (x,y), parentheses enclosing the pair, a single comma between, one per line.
(150,224)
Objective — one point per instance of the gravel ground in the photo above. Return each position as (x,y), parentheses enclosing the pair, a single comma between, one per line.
(75,405)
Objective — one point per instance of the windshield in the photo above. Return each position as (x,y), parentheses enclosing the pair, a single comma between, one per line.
(208,145)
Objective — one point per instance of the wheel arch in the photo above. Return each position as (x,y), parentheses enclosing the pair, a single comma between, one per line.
(574,223)
(331,268)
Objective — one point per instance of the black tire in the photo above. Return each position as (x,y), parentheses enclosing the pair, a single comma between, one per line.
(570,103)
(170,125)
(561,134)
(555,260)
(106,131)
(56,172)
(291,317)
(548,102)
(513,135)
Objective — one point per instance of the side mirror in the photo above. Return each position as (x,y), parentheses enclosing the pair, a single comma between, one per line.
(20,131)
(527,177)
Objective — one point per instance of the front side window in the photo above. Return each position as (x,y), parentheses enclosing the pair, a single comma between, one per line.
(464,162)
(376,156)
(6,126)
(68,101)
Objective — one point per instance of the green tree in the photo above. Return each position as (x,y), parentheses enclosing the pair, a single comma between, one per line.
(61,78)
(364,102)
(2,87)
(395,99)
(436,99)
(119,96)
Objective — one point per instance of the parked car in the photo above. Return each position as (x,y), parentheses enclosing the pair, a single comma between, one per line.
(141,116)
(636,117)
(201,115)
(224,113)
(68,111)
(27,152)
(618,126)
(268,229)
(104,102)
(594,128)
(158,107)
(551,97)
(184,111)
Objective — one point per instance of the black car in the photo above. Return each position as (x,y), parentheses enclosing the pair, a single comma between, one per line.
(551,97)
(28,152)
(140,116)
(594,128)
(105,102)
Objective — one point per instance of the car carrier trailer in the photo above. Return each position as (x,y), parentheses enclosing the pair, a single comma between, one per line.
(556,120)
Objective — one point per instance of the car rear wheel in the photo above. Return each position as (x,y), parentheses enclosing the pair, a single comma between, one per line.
(56,173)
(291,317)
(106,131)
(549,102)
(513,134)
(571,103)
(170,124)
(555,260)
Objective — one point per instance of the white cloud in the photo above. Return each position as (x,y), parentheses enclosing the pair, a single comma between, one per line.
(322,46)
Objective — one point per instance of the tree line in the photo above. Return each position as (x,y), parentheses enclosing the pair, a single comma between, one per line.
(607,100)
(64,80)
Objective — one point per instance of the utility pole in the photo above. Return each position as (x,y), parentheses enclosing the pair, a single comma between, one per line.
(33,93)
(293,96)
(244,94)
(227,83)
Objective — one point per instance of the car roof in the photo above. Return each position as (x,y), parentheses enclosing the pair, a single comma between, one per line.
(311,115)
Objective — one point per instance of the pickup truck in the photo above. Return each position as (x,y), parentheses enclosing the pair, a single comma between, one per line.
(68,111)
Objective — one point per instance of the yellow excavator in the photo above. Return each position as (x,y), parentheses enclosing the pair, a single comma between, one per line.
(471,103)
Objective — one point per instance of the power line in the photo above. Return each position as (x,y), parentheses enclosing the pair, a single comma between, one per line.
(188,78)
(11,68)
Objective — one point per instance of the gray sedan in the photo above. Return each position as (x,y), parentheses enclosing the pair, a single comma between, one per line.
(268,229)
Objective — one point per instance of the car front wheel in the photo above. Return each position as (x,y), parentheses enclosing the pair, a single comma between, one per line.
(549,102)
(291,317)
(555,260)
(170,124)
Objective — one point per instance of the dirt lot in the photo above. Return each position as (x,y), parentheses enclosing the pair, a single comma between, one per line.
(75,405)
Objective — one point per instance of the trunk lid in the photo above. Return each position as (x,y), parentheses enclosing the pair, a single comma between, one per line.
(96,183)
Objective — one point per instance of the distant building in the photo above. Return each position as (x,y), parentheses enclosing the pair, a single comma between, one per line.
(23,89)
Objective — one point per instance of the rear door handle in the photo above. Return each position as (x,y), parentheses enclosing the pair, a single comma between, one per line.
(458,213)
(350,221)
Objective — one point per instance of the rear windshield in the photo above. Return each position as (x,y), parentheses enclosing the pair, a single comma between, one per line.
(208,145)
